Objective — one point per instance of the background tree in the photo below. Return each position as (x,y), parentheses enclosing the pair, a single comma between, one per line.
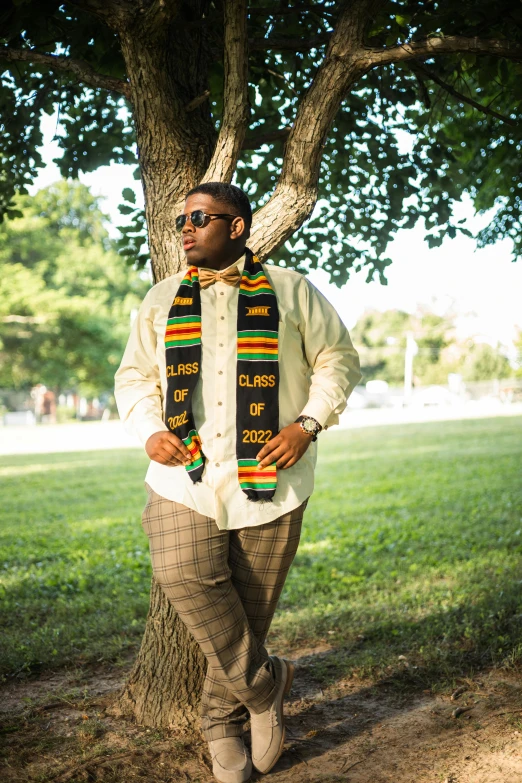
(65,294)
(381,341)
(483,362)
(305,103)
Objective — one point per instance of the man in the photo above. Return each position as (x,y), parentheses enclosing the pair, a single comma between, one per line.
(231,370)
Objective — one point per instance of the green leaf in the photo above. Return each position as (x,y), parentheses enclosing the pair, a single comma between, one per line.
(467,61)
(129,195)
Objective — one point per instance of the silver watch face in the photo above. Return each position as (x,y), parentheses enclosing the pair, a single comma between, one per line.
(309,426)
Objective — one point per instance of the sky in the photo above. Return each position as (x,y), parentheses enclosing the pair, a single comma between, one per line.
(483,287)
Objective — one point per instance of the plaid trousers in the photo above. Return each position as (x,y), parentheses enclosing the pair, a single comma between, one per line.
(224,585)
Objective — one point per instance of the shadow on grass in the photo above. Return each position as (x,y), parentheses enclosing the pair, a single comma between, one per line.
(461,645)
(481,628)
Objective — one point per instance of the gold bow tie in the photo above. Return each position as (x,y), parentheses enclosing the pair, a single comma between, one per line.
(208,277)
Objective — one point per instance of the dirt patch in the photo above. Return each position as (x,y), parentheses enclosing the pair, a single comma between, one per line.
(57,729)
(20,693)
(371,734)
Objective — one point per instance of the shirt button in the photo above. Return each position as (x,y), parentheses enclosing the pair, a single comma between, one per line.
(222,293)
(222,318)
(218,435)
(221,345)
(217,464)
(220,403)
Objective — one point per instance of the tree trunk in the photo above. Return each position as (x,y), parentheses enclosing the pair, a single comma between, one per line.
(175,147)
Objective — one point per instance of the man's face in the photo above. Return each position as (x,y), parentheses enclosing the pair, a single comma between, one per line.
(220,241)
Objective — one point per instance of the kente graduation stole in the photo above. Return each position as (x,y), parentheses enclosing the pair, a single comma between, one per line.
(257,374)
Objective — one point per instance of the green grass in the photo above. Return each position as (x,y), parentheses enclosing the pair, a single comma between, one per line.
(75,566)
(412,545)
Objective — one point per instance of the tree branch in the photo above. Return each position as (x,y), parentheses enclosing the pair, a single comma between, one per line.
(82,70)
(193,105)
(456,94)
(235,96)
(452,44)
(294,198)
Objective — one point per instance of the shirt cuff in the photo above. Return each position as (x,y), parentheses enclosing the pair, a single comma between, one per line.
(320,410)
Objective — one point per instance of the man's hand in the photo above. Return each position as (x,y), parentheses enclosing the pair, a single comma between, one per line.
(168,449)
(286,448)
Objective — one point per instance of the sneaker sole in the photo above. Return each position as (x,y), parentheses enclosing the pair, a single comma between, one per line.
(290,671)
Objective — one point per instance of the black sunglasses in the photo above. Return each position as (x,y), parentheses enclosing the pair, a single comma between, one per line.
(198,218)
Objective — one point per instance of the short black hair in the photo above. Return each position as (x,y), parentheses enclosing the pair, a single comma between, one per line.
(231,195)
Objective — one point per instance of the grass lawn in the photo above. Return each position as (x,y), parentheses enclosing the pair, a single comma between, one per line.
(412,545)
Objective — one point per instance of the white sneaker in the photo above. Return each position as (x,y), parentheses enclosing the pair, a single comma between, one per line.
(268,728)
(230,760)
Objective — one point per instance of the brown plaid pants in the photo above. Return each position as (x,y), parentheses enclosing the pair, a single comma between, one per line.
(224,585)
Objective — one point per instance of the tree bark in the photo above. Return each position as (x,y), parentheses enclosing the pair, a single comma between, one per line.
(235,94)
(164,686)
(450,44)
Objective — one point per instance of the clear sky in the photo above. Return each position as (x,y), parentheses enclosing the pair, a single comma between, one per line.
(483,286)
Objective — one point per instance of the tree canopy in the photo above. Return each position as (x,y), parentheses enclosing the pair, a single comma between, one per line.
(423,102)
(65,294)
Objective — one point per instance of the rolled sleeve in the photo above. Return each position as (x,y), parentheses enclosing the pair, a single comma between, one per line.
(137,383)
(330,354)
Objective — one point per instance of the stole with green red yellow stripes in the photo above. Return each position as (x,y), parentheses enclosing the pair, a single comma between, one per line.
(257,374)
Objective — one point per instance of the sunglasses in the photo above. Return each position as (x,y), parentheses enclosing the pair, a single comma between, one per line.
(198,218)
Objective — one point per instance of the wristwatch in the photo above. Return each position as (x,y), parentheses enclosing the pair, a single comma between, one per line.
(309,425)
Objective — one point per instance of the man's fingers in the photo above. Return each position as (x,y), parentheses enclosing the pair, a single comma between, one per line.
(285,459)
(181,456)
(169,459)
(173,440)
(172,451)
(288,464)
(176,448)
(274,455)
(268,448)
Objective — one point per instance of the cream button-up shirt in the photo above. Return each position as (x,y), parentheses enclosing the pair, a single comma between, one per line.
(318,368)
